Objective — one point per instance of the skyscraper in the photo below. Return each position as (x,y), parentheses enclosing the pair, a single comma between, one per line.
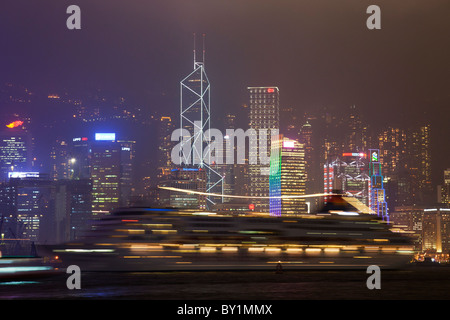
(195,119)
(126,171)
(15,148)
(111,173)
(355,131)
(187,179)
(165,129)
(265,122)
(419,164)
(287,177)
(349,174)
(79,158)
(392,146)
(289,123)
(32,209)
(59,160)
(235,175)
(70,159)
(310,159)
(444,190)
(73,210)
(377,203)
(392,143)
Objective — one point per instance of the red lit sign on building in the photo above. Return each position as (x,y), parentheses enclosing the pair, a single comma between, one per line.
(354,154)
(84,139)
(270,90)
(14,124)
(251,206)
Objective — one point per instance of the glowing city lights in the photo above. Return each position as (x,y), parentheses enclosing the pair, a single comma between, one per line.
(105,136)
(15,124)
(246,197)
(288,144)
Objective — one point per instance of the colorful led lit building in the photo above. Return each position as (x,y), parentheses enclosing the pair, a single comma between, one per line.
(287,177)
(377,203)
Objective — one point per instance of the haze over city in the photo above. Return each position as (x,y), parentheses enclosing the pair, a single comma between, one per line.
(319,55)
(87,113)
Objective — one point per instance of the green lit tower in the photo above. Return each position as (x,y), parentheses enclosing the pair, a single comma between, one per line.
(377,202)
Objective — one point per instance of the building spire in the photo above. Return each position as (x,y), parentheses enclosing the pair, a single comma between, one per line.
(195,58)
(204,50)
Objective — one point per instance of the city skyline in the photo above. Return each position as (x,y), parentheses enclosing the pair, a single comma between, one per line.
(102,107)
(330,129)
(322,55)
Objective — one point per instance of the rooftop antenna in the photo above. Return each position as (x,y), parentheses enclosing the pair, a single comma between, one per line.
(195,59)
(204,50)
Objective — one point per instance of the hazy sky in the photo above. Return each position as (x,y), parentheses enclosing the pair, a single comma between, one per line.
(317,52)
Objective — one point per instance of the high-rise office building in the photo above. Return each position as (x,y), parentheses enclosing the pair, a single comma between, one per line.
(235,175)
(187,179)
(306,136)
(392,143)
(429,226)
(111,172)
(59,160)
(70,159)
(349,174)
(165,144)
(392,146)
(31,201)
(355,140)
(443,190)
(265,122)
(73,209)
(126,171)
(289,123)
(377,200)
(419,164)
(195,122)
(287,177)
(15,148)
(38,209)
(79,158)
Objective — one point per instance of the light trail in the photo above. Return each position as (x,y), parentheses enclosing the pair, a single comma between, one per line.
(249,197)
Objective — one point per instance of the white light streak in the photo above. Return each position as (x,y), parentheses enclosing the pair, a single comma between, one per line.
(248,197)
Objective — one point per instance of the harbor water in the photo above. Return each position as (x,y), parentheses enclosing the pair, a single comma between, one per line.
(411,283)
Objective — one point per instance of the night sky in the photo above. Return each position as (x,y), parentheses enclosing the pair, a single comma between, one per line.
(319,53)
